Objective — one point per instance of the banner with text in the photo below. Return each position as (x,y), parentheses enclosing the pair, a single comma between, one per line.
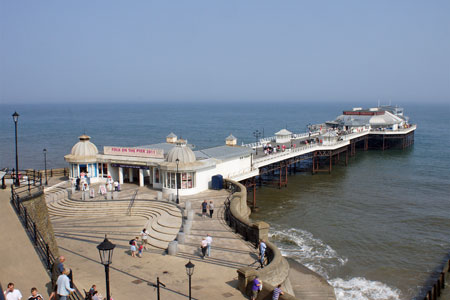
(130,151)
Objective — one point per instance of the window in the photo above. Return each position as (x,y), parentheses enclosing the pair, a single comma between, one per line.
(185,180)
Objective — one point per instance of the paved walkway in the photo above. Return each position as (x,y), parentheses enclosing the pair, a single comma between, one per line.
(20,263)
(79,230)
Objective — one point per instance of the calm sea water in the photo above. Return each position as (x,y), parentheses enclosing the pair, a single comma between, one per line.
(374,229)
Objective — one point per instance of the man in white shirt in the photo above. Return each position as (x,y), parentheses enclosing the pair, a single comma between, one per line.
(209,241)
(144,236)
(11,293)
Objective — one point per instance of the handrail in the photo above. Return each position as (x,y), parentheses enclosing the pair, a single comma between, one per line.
(130,206)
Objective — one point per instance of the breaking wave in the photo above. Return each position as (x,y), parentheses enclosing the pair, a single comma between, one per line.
(313,253)
(361,288)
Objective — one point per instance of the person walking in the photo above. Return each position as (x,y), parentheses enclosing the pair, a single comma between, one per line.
(277,292)
(262,252)
(204,245)
(211,209)
(133,247)
(35,295)
(63,285)
(256,287)
(208,244)
(204,208)
(11,293)
(144,237)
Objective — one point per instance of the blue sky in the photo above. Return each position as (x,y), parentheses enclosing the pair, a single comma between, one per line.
(216,51)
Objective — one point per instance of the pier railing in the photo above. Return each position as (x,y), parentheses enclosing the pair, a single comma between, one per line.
(31,190)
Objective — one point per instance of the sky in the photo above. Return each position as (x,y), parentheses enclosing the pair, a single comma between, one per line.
(218,51)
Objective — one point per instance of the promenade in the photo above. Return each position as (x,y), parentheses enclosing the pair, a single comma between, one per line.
(19,262)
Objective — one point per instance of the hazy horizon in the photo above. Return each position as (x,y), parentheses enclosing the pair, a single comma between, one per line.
(233,51)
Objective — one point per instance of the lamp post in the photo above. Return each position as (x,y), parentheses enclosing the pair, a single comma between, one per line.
(45,165)
(189,271)
(105,249)
(257,135)
(15,116)
(178,181)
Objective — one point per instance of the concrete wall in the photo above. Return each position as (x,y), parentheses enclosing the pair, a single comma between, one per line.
(37,210)
(277,271)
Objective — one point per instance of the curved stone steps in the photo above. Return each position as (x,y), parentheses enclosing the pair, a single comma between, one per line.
(89,206)
(163,219)
(68,207)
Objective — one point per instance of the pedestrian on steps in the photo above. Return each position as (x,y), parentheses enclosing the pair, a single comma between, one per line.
(211,209)
(204,208)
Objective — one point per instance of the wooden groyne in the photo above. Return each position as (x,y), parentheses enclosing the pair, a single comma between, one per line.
(437,287)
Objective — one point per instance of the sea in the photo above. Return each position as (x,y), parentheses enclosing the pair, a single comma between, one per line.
(375,229)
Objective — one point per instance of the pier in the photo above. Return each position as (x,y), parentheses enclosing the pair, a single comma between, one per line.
(320,156)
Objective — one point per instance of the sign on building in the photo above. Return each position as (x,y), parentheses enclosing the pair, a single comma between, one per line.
(131,151)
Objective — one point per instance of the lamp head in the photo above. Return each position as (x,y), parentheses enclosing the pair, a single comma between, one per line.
(190,268)
(105,249)
(15,116)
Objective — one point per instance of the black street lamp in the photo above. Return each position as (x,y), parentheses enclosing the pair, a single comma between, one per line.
(178,181)
(257,135)
(189,271)
(15,116)
(45,165)
(105,249)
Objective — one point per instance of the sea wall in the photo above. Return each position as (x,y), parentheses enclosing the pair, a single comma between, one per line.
(37,211)
(277,269)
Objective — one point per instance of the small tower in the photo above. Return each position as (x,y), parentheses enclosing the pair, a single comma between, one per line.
(171,138)
(231,140)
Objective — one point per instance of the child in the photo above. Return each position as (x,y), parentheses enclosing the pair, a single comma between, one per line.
(35,295)
(141,248)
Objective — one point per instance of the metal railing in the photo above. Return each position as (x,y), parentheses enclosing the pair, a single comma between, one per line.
(130,206)
(33,189)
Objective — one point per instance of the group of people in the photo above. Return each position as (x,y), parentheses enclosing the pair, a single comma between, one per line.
(207,206)
(82,182)
(62,285)
(112,185)
(257,287)
(205,246)
(139,244)
(12,293)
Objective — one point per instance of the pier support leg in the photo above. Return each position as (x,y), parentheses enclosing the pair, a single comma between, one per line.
(346,157)
(279,183)
(366,143)
(383,144)
(286,176)
(331,159)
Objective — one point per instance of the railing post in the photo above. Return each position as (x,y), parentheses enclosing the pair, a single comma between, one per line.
(51,172)
(48,256)
(29,185)
(26,217)
(35,233)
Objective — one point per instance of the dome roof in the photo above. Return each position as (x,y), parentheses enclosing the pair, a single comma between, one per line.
(182,153)
(83,151)
(230,138)
(283,132)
